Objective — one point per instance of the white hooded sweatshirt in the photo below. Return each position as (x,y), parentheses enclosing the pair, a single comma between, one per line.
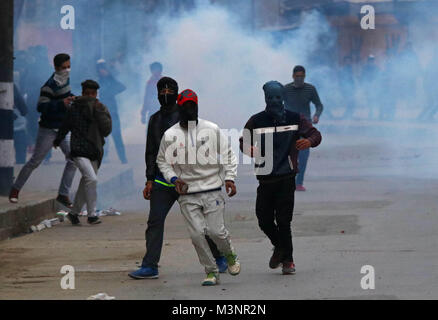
(200,155)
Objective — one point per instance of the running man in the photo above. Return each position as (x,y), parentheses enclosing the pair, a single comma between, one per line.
(297,98)
(199,181)
(288,134)
(162,195)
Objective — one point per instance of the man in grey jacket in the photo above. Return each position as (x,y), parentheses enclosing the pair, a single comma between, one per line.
(199,181)
(297,98)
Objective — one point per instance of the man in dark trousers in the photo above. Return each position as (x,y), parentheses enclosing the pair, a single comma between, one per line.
(297,98)
(55,99)
(274,137)
(89,122)
(110,87)
(158,190)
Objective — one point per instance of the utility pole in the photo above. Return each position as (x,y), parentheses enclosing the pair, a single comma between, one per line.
(6,96)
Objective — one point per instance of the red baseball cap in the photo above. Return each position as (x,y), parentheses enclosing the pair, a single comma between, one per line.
(187,95)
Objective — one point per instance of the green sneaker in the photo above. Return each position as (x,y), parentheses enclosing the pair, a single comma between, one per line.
(233,264)
(211,280)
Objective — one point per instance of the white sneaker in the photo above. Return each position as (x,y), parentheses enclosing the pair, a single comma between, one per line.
(233,264)
(211,280)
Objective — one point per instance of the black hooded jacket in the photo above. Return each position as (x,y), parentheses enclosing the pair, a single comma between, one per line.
(89,122)
(159,122)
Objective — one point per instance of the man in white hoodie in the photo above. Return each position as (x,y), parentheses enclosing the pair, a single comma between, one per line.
(196,157)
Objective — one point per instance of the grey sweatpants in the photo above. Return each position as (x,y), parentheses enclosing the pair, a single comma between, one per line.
(43,145)
(204,215)
(87,190)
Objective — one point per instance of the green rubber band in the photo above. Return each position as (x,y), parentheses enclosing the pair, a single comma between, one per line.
(164,184)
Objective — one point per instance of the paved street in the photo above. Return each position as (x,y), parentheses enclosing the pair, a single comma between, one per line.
(371,200)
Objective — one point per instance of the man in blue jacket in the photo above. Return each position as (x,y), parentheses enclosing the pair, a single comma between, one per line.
(55,99)
(275,137)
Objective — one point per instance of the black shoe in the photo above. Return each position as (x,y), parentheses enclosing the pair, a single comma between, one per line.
(74,219)
(276,259)
(94,220)
(64,200)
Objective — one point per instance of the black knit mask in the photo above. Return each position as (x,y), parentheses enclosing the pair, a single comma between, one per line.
(167,92)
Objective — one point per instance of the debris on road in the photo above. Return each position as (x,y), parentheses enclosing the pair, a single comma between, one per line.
(62,214)
(101,296)
(48,223)
(103,213)
(108,212)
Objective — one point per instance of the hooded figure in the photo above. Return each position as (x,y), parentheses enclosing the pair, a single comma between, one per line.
(158,190)
(167,93)
(274,137)
(274,100)
(188,102)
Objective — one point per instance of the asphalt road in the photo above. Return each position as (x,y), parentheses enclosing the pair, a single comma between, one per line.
(371,200)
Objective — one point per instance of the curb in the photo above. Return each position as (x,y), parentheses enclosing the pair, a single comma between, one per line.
(17,221)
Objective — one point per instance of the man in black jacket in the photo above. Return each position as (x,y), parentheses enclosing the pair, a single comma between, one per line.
(159,191)
(89,122)
(274,137)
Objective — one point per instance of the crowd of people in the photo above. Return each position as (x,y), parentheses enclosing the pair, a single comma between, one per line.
(80,124)
(278,138)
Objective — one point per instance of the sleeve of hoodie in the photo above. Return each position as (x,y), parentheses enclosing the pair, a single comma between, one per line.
(152,149)
(246,140)
(308,131)
(165,167)
(103,118)
(227,156)
(317,102)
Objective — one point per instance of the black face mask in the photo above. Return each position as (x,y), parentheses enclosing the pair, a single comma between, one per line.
(167,100)
(274,100)
(188,112)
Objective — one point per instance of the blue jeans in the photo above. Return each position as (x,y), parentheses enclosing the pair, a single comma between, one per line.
(20,144)
(303,156)
(116,134)
(43,145)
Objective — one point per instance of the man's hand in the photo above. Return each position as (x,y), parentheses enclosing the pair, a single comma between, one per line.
(315,119)
(303,144)
(68,101)
(181,187)
(147,192)
(230,188)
